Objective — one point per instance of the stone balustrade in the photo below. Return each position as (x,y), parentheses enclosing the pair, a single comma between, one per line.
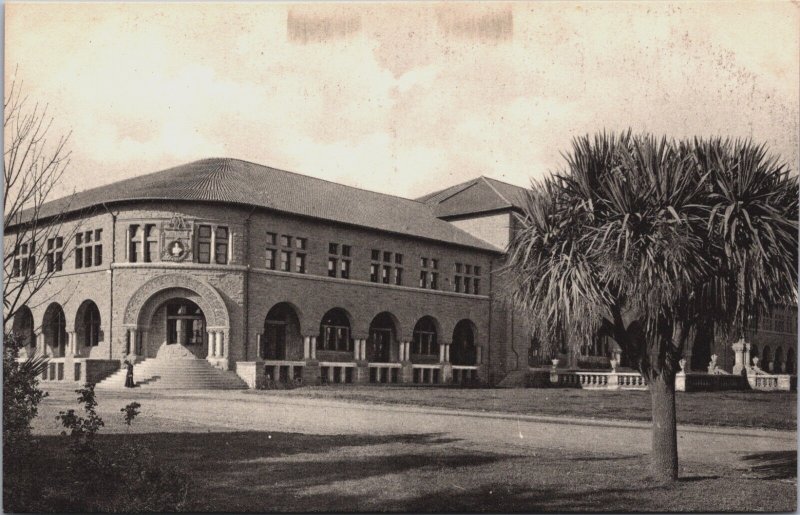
(384,372)
(426,374)
(282,371)
(463,374)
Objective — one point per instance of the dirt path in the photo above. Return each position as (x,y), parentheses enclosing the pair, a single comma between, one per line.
(500,433)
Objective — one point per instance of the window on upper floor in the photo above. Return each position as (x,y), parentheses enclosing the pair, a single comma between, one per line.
(382,264)
(55,254)
(89,248)
(338,260)
(429,275)
(24,260)
(204,244)
(467,278)
(289,250)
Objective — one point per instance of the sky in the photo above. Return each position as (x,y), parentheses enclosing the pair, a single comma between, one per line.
(401,98)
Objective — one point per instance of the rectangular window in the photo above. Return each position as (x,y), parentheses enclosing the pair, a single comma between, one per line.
(87,256)
(333,248)
(346,250)
(458,268)
(423,279)
(331,267)
(286,259)
(435,264)
(376,255)
(387,257)
(300,263)
(272,238)
(98,255)
(385,275)
(467,284)
(457,283)
(373,272)
(270,259)
(434,281)
(468,269)
(286,241)
(98,234)
(204,244)
(79,258)
(398,276)
(300,243)
(477,270)
(221,244)
(423,262)
(345,269)
(398,259)
(476,286)
(149,243)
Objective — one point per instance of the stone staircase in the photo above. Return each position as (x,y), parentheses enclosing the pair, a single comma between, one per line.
(177,373)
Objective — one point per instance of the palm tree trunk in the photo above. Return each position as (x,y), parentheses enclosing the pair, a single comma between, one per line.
(664,454)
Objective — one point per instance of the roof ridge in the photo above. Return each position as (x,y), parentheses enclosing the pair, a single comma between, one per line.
(311,177)
(486,180)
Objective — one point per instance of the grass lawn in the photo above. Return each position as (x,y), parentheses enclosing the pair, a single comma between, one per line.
(772,410)
(262,471)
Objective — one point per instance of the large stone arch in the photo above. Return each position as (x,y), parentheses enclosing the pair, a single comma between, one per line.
(159,289)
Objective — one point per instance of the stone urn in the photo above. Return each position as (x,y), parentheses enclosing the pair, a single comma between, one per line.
(682,364)
(755,362)
(555,362)
(614,364)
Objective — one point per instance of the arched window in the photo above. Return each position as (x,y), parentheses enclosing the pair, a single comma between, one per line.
(463,351)
(334,331)
(281,327)
(23,327)
(185,322)
(425,338)
(91,325)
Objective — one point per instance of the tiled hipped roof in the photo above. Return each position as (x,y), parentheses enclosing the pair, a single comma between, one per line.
(241,182)
(475,196)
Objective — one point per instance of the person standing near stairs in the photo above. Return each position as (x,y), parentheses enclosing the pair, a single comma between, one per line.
(128,361)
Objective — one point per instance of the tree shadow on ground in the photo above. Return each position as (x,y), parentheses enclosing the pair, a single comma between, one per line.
(773,465)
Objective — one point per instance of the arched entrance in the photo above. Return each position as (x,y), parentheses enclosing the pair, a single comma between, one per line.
(87,325)
(766,359)
(777,362)
(790,361)
(22,327)
(54,330)
(382,338)
(334,332)
(425,343)
(464,351)
(177,316)
(281,339)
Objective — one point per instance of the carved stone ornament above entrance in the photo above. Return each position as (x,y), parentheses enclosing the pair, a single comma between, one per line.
(176,239)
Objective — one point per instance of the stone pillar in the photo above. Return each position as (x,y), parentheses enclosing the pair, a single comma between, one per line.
(306,347)
(213,245)
(447,353)
(313,340)
(479,355)
(39,339)
(212,342)
(73,343)
(741,358)
(221,347)
(132,347)
(441,353)
(363,349)
(260,350)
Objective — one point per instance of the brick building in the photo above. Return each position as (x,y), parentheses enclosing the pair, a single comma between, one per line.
(239,265)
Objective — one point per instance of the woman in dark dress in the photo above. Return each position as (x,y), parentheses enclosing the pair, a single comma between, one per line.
(129,375)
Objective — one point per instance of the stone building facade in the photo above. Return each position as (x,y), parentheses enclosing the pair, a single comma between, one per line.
(248,268)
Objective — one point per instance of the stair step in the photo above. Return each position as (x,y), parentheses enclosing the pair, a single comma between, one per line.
(166,373)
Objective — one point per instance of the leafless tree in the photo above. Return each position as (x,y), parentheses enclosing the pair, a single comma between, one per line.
(34,162)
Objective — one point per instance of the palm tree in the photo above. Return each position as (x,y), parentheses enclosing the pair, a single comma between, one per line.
(627,238)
